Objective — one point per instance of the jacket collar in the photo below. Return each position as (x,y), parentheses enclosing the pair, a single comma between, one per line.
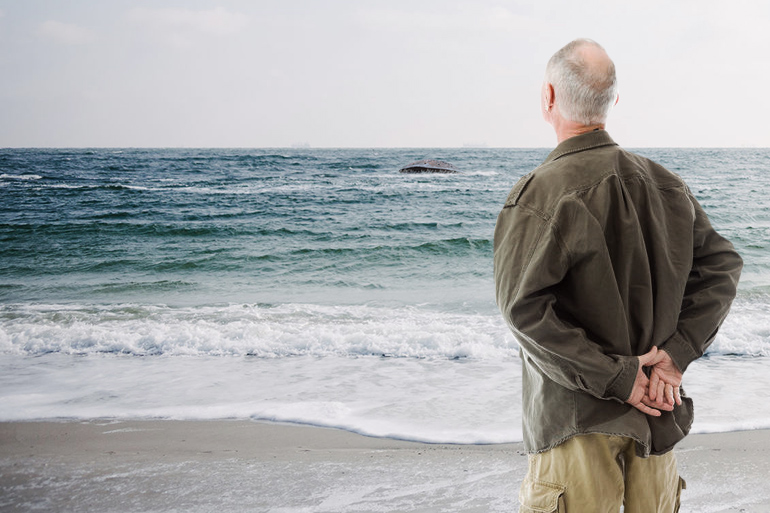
(582,142)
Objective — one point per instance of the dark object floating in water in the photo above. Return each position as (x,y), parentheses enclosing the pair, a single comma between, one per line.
(428,166)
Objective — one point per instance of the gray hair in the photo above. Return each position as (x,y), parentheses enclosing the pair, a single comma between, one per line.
(584,93)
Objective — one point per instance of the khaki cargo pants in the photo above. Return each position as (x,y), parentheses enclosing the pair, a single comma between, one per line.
(598,473)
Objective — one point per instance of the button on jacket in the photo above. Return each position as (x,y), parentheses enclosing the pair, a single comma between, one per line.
(600,254)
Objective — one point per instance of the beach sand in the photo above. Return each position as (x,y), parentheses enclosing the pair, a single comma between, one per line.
(223,466)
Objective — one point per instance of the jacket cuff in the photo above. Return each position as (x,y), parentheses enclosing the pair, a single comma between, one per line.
(680,351)
(620,389)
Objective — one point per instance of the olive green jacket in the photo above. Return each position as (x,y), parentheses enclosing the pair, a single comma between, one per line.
(599,255)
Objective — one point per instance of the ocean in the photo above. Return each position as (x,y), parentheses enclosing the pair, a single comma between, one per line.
(314,286)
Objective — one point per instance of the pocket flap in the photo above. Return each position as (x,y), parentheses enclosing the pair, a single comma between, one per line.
(540,495)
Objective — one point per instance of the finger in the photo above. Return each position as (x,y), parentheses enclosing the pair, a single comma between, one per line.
(670,394)
(660,404)
(659,407)
(677,396)
(647,410)
(662,391)
(654,380)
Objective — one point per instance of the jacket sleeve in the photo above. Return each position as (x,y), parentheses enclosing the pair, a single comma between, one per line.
(710,290)
(530,260)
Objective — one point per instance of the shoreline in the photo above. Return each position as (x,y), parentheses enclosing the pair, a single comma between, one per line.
(236,465)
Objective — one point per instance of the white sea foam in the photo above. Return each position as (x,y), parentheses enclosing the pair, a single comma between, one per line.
(394,371)
(447,377)
(100,186)
(263,331)
(5,176)
(482,172)
(415,399)
(273,331)
(453,401)
(746,331)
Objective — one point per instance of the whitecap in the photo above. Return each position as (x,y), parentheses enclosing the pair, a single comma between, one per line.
(255,330)
(5,176)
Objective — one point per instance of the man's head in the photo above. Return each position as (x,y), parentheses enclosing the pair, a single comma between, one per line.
(580,81)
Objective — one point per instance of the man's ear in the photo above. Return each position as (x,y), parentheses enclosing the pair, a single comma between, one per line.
(549,96)
(617,99)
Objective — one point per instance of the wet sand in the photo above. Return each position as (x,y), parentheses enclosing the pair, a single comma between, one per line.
(223,466)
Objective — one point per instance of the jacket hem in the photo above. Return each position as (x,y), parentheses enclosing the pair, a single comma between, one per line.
(645,451)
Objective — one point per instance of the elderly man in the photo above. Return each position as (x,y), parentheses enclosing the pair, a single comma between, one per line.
(613,281)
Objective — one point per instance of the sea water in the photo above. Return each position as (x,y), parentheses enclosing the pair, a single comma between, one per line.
(316,286)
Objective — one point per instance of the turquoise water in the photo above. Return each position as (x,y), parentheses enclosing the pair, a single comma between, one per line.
(206,226)
(211,260)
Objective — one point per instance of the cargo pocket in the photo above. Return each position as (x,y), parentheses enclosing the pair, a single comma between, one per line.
(538,496)
(682,486)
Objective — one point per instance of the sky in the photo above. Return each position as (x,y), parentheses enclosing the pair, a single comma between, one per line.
(371,73)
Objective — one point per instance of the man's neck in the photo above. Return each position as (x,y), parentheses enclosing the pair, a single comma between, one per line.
(569,129)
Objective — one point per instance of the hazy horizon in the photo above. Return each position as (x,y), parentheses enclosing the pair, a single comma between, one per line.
(548,148)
